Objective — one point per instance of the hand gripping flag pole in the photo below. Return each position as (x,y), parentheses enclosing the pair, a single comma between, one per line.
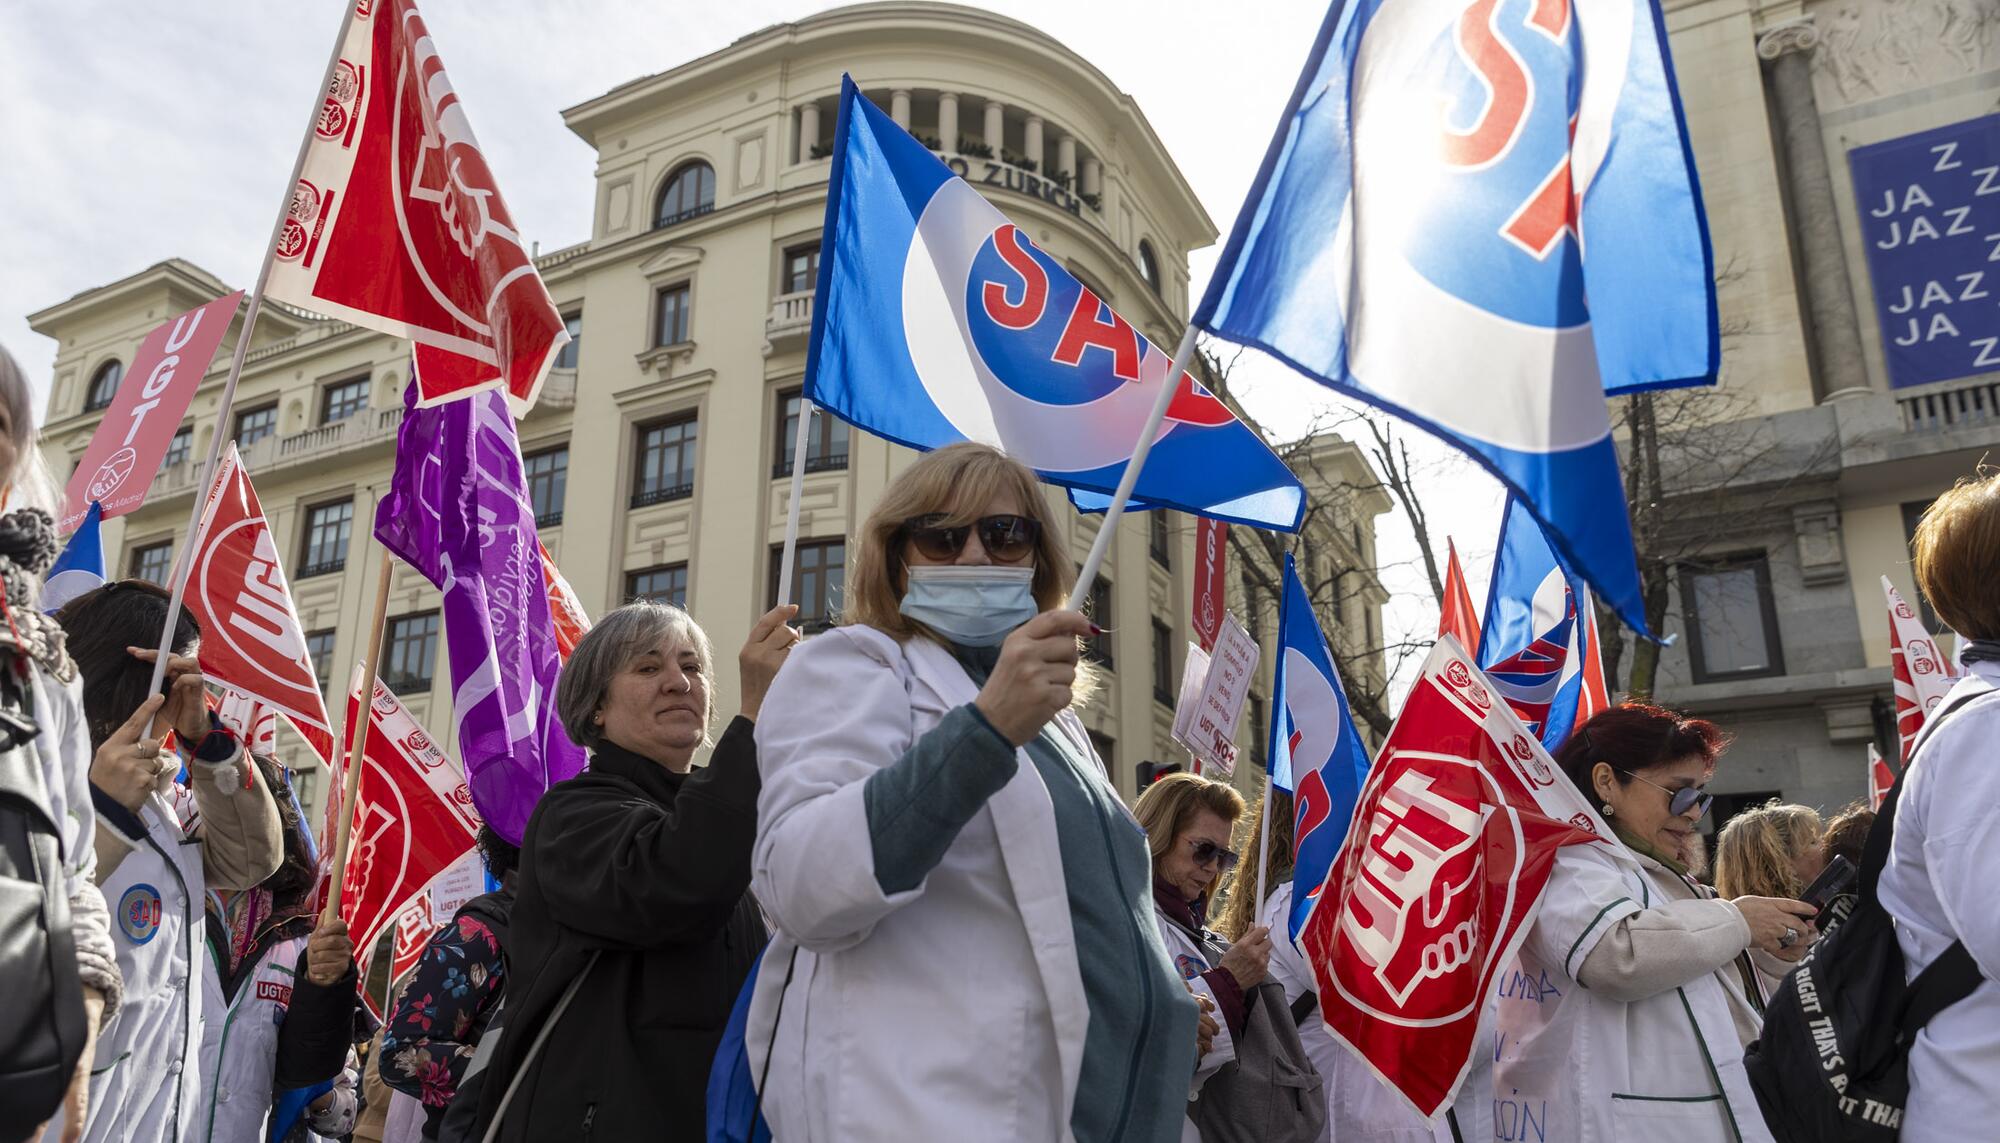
(184,564)
(371,656)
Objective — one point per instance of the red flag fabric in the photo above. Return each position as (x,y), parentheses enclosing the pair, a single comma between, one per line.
(253,723)
(139,425)
(1458,618)
(1922,674)
(1439,878)
(1880,778)
(396,223)
(252,641)
(415,924)
(1595,696)
(413,816)
(1211,563)
(565,610)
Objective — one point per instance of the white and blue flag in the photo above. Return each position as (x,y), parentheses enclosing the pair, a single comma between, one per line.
(937,321)
(1483,217)
(1538,644)
(80,567)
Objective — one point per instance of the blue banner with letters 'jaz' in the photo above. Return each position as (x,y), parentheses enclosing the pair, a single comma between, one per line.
(1930,218)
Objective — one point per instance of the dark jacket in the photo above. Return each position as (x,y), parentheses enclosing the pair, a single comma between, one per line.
(650,870)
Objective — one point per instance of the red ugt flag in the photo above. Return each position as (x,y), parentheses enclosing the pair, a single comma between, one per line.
(396,223)
(252,641)
(1458,618)
(1443,868)
(1922,674)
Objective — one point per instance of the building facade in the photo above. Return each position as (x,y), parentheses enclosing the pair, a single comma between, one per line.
(660,451)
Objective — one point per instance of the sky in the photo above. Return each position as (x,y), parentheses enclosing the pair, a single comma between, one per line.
(138,132)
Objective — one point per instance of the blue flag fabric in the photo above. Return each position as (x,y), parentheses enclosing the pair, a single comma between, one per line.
(1484,218)
(1531,642)
(734,1113)
(938,321)
(1316,754)
(80,567)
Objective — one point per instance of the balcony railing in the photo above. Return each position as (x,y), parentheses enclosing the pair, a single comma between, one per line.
(662,495)
(324,567)
(546,520)
(790,322)
(1969,404)
(825,462)
(365,429)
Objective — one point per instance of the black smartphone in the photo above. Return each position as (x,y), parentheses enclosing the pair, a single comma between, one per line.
(1837,878)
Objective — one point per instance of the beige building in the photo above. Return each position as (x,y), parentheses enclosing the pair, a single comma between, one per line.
(659,451)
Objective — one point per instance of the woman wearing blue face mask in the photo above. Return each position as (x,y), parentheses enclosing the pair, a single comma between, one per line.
(965,946)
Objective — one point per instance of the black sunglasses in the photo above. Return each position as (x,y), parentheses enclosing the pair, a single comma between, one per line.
(1207,851)
(1680,801)
(1008,539)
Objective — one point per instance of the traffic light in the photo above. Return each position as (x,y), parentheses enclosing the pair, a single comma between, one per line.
(1151,772)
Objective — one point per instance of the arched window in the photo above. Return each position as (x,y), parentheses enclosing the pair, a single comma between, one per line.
(104,385)
(690,191)
(1149,266)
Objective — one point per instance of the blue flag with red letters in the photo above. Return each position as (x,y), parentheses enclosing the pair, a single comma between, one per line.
(1316,755)
(937,320)
(1538,644)
(1484,218)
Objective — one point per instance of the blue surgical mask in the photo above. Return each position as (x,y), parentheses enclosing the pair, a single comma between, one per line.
(971,605)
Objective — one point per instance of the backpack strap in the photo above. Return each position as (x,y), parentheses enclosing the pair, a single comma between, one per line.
(1943,982)
(1304,1007)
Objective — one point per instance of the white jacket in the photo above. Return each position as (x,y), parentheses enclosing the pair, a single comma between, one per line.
(1191,959)
(239,1046)
(63,748)
(953,1011)
(1939,887)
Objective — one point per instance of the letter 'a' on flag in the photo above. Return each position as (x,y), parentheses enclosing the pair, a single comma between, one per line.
(1539,645)
(80,566)
(938,321)
(396,223)
(1316,754)
(1483,217)
(1922,673)
(1439,880)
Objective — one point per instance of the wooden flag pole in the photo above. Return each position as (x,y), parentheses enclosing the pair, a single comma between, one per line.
(371,654)
(799,438)
(185,563)
(1105,531)
(1263,849)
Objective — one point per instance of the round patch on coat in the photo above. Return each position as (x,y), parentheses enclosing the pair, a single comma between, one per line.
(140,913)
(1190,967)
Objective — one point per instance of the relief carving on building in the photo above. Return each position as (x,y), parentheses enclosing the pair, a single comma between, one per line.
(1874,48)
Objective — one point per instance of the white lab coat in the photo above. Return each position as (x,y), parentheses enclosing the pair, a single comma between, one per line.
(239,1046)
(63,748)
(1577,1066)
(952,1011)
(1939,887)
(1191,958)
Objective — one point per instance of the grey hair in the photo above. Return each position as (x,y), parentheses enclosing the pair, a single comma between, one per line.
(32,484)
(617,639)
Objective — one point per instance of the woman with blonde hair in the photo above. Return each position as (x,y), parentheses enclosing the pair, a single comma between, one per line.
(1770,851)
(964,948)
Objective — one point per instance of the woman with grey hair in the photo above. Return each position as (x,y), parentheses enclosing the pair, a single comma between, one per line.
(633,903)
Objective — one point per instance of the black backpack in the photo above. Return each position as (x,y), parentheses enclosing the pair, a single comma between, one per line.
(43,1033)
(1832,1064)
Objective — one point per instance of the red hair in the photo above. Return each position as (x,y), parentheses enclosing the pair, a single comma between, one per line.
(1637,736)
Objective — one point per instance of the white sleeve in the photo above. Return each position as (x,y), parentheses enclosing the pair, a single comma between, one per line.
(1586,896)
(1961,831)
(1185,961)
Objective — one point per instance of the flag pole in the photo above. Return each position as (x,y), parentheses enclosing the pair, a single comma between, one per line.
(799,438)
(1105,531)
(371,653)
(1264,846)
(183,565)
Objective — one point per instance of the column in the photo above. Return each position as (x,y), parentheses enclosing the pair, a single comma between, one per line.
(947,121)
(1065,156)
(1093,176)
(996,127)
(899,108)
(1836,329)
(1034,142)
(808,130)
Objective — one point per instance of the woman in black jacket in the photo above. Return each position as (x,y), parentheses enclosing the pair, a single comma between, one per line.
(633,891)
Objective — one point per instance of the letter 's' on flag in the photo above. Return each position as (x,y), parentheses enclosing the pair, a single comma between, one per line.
(1540,641)
(396,223)
(1316,754)
(937,321)
(458,511)
(1483,217)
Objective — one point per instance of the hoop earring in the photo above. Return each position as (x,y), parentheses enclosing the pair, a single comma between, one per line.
(1607,809)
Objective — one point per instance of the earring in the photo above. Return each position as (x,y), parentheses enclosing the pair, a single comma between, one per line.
(1607,805)
(598,718)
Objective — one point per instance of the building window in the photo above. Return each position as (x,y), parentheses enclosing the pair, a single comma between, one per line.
(690,192)
(566,357)
(1159,542)
(819,570)
(1106,747)
(253,425)
(154,563)
(104,385)
(801,269)
(409,652)
(343,399)
(665,465)
(667,584)
(1163,663)
(319,648)
(1098,608)
(548,479)
(1732,622)
(826,438)
(1149,266)
(328,527)
(1259,733)
(670,311)
(178,448)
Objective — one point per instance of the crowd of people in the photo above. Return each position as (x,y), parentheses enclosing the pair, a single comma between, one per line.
(950,924)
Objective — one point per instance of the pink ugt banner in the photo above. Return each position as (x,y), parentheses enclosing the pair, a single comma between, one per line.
(396,223)
(139,426)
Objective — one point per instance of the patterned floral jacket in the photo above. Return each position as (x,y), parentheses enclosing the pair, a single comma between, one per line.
(436,1022)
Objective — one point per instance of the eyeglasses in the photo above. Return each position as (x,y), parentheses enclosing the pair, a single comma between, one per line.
(1008,539)
(1207,851)
(1680,801)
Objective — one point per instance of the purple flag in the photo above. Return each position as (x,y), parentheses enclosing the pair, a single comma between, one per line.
(458,511)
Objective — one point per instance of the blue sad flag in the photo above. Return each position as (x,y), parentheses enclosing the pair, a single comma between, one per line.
(1316,754)
(938,321)
(1538,643)
(1484,218)
(80,567)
